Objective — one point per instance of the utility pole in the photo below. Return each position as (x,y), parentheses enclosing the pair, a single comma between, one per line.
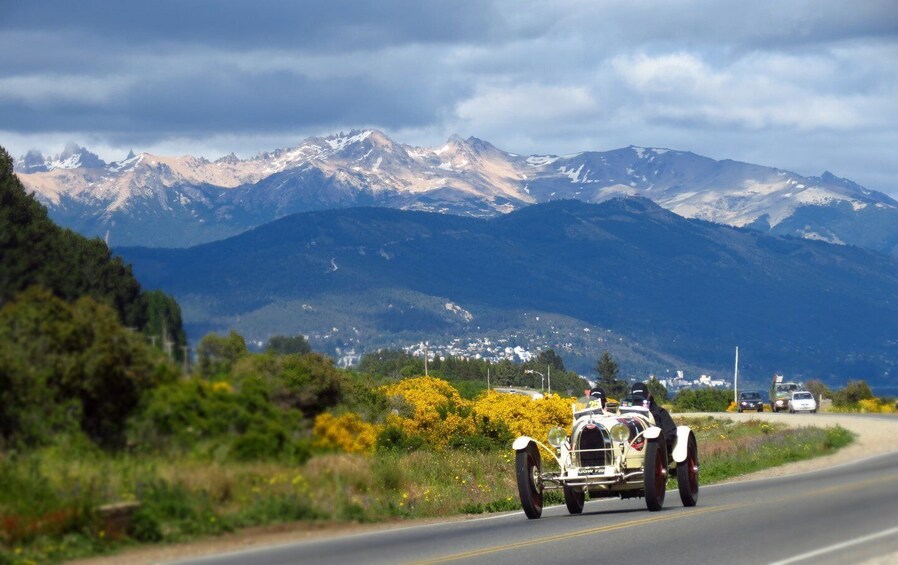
(549,372)
(185,349)
(736,378)
(425,359)
(488,378)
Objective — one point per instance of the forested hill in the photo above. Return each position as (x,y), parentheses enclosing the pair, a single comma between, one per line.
(35,251)
(680,291)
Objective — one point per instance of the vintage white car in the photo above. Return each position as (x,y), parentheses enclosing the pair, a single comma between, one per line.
(612,451)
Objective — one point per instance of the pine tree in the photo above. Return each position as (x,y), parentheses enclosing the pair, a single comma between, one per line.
(608,370)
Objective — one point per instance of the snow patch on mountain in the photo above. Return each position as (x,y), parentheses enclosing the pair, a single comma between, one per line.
(341,142)
(541,160)
(459,311)
(461,176)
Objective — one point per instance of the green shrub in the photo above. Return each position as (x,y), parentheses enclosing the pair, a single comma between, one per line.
(852,393)
(392,438)
(145,526)
(837,437)
(702,400)
(205,418)
(309,383)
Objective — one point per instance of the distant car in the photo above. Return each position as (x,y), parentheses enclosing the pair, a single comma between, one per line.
(802,401)
(750,401)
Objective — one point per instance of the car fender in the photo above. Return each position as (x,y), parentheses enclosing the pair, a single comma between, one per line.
(521,443)
(680,449)
(653,432)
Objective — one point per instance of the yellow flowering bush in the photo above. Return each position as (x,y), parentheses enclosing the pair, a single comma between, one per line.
(524,415)
(221,386)
(347,432)
(429,408)
(875,406)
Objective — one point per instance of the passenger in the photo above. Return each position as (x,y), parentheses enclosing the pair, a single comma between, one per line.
(598,394)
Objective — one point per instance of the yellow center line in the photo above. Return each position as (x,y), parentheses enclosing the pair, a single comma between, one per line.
(569,535)
(651,520)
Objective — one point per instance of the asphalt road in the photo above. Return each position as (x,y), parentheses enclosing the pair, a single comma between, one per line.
(842,514)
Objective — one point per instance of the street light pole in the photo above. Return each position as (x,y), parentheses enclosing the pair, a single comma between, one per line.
(542,377)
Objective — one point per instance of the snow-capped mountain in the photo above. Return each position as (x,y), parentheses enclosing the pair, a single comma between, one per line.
(178,201)
(72,157)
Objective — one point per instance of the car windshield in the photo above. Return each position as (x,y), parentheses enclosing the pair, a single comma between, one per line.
(786,388)
(749,396)
(802,396)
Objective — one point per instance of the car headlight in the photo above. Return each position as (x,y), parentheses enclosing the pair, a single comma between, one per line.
(557,437)
(744,403)
(620,432)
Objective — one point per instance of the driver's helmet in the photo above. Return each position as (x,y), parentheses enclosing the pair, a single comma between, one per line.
(640,389)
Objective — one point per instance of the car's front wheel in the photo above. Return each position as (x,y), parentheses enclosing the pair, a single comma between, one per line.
(574,499)
(654,475)
(687,474)
(528,466)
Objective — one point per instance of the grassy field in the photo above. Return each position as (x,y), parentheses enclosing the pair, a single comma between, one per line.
(50,499)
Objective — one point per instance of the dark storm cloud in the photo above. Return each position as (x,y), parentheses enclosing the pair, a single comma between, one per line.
(204,101)
(788,83)
(319,26)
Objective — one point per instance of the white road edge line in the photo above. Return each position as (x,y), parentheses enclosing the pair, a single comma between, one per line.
(836,547)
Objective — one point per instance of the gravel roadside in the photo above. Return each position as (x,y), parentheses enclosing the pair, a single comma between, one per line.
(874,436)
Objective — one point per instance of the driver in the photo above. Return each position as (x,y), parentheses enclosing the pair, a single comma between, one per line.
(661,416)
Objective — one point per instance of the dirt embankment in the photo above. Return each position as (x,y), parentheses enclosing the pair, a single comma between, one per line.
(874,436)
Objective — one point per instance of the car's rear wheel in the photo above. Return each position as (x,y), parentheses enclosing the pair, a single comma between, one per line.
(761,409)
(687,474)
(574,499)
(654,475)
(529,466)
(740,410)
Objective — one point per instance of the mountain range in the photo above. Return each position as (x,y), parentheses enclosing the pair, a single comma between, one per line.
(160,201)
(658,290)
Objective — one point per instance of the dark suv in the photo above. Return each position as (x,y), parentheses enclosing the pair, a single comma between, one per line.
(750,401)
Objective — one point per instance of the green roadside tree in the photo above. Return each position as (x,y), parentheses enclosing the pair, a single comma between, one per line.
(851,394)
(164,322)
(309,383)
(608,377)
(68,368)
(287,345)
(216,354)
(658,390)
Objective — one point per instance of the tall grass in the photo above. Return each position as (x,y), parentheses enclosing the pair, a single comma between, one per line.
(52,495)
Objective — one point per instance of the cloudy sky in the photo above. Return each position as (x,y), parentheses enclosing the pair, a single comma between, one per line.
(802,85)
